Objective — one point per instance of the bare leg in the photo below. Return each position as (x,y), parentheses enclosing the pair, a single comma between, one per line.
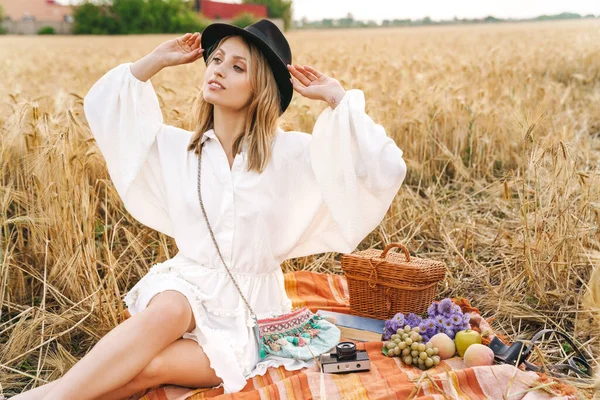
(124,352)
(37,393)
(182,363)
(131,388)
(127,391)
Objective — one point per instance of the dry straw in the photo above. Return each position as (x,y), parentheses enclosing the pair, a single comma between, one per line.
(499,126)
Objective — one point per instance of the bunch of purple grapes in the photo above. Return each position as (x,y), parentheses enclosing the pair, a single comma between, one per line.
(443,316)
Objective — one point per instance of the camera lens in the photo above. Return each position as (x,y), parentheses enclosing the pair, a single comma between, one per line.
(345,350)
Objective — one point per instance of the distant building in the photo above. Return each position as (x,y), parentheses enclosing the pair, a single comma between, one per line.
(227,11)
(28,16)
(38,10)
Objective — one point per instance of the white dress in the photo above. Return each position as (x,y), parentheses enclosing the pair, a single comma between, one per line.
(323,192)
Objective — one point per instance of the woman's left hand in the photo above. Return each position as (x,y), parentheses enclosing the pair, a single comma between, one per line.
(315,85)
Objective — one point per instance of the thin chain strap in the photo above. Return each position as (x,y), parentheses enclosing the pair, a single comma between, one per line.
(256,328)
(211,231)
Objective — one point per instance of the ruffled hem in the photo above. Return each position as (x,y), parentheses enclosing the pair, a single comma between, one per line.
(274,361)
(223,358)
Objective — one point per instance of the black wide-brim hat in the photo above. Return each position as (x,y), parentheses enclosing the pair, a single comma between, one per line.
(269,40)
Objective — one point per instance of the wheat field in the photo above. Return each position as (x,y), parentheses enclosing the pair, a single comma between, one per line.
(500,128)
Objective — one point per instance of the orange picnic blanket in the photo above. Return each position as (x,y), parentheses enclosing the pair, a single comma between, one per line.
(388,377)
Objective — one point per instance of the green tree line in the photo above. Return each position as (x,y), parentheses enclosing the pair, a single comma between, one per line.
(350,22)
(119,17)
(136,16)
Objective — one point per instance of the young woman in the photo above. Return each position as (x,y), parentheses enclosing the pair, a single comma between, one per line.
(269,195)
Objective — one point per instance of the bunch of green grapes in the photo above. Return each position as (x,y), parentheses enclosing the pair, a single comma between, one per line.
(408,344)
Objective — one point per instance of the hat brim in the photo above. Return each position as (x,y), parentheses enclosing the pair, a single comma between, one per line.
(213,33)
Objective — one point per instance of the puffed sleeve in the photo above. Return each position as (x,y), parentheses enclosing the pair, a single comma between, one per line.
(125,118)
(348,175)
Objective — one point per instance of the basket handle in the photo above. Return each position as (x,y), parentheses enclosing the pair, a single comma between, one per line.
(392,245)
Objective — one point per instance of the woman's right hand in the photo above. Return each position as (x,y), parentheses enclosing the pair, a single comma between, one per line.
(182,50)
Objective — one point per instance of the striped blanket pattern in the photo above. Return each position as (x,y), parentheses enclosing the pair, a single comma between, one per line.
(388,377)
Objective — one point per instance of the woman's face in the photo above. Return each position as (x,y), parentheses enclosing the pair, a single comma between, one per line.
(226,80)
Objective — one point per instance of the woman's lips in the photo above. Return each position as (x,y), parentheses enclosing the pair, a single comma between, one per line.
(215,86)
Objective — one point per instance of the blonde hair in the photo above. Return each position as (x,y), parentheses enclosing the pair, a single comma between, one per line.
(262,117)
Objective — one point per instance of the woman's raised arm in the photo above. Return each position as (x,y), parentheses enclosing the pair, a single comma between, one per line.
(182,50)
(346,174)
(125,118)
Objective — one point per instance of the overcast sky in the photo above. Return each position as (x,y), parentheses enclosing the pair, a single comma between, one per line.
(435,9)
(439,9)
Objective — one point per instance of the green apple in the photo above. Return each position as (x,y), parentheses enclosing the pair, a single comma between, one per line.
(464,339)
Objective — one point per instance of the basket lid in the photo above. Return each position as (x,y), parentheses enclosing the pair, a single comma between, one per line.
(420,269)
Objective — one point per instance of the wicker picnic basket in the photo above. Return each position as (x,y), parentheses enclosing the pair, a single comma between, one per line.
(383,283)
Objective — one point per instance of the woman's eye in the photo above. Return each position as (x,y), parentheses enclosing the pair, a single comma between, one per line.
(236,67)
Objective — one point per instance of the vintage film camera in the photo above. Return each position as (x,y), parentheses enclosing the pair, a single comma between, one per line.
(345,359)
